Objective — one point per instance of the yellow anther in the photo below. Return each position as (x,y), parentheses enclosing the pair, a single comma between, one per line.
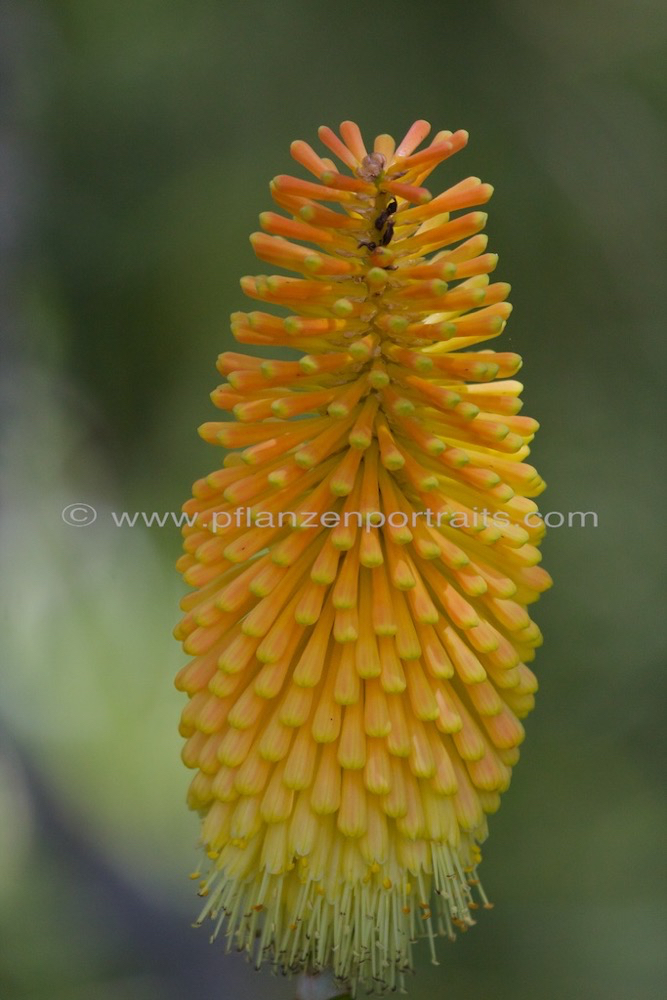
(387,883)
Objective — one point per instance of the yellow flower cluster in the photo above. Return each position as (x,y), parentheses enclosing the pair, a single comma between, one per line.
(359,668)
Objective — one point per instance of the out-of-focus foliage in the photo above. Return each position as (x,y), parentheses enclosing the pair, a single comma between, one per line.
(137,143)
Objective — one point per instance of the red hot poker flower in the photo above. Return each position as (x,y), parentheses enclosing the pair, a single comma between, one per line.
(362,565)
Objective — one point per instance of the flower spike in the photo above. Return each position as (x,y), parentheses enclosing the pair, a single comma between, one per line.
(362,565)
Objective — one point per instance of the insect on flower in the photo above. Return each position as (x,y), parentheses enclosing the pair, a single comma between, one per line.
(362,565)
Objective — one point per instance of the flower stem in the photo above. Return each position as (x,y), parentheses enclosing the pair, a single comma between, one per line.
(319,986)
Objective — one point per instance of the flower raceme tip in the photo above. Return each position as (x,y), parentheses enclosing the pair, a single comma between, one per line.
(355,695)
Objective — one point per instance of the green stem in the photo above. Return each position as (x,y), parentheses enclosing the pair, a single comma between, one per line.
(320,986)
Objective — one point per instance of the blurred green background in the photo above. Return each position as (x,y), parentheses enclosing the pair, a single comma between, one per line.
(138,138)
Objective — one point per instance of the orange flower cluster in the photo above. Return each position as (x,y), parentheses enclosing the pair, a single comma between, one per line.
(359,635)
